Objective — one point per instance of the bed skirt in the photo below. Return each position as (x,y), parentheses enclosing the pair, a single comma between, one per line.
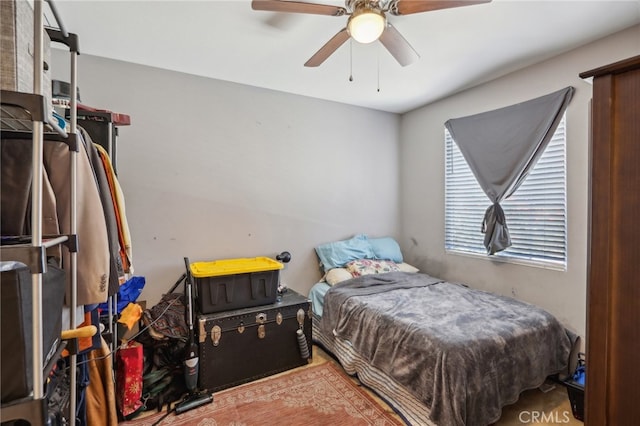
(402,401)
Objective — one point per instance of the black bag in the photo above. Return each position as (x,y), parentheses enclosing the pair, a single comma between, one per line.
(164,343)
(162,386)
(16,326)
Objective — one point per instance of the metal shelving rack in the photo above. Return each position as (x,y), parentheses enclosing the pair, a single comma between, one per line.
(34,407)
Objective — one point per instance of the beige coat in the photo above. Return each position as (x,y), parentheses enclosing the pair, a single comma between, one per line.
(93,245)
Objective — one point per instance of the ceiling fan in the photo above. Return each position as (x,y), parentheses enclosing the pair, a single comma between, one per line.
(367,22)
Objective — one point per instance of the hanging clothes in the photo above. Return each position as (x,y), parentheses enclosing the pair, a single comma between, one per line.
(15,193)
(118,201)
(116,269)
(104,241)
(101,395)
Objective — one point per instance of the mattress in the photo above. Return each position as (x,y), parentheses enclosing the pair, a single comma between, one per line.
(438,351)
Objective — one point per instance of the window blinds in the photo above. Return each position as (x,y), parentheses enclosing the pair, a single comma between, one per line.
(536,212)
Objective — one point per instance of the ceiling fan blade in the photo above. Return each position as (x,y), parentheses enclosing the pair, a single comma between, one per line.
(407,7)
(281,21)
(326,50)
(297,7)
(398,46)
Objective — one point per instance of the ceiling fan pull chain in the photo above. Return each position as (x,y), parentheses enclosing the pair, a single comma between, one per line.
(378,60)
(350,59)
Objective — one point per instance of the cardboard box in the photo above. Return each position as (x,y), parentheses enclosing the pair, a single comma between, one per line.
(17,47)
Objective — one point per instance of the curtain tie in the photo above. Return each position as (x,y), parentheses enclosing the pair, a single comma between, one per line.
(493,214)
(494,226)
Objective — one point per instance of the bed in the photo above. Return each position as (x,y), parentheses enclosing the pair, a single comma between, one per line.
(440,353)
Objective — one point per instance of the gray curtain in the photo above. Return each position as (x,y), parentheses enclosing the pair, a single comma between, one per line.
(501,147)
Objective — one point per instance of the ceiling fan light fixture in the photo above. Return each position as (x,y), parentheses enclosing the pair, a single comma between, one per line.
(366,25)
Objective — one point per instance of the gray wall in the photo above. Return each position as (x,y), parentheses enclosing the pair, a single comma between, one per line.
(422,177)
(214,170)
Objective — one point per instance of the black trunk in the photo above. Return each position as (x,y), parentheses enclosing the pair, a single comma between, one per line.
(242,345)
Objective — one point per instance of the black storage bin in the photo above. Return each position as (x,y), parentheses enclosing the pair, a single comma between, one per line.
(227,284)
(576,398)
(16,326)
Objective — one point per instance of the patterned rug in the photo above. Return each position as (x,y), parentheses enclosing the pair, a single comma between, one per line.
(312,396)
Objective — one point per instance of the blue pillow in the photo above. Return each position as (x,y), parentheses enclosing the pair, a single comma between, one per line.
(339,253)
(386,249)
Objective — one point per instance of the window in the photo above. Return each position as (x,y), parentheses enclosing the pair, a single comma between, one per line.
(536,212)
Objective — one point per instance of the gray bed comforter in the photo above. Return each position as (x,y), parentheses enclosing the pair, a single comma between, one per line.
(465,353)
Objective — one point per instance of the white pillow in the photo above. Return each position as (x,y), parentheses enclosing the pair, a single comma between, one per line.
(405,267)
(336,275)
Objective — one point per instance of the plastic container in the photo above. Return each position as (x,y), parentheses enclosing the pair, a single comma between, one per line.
(226,284)
(576,398)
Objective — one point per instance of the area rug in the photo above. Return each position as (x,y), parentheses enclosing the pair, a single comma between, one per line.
(317,395)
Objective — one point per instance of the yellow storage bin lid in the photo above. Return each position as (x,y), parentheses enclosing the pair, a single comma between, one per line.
(233,266)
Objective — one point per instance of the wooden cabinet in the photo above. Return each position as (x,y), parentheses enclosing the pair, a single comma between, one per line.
(613,296)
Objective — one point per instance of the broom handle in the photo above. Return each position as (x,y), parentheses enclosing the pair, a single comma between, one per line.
(187,285)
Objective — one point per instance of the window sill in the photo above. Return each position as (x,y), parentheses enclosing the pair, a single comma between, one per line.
(512,260)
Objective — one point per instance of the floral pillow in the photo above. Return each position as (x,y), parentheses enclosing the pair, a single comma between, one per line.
(361,267)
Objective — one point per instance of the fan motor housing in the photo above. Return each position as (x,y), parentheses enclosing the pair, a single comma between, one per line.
(354,5)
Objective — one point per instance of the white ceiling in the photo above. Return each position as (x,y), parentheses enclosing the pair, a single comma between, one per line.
(227,40)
